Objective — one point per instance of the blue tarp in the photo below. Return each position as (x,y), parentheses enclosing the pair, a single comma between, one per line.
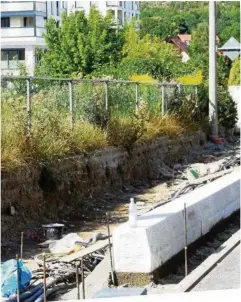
(9,277)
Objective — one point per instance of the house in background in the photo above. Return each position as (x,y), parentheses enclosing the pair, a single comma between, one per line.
(182,48)
(23,25)
(182,42)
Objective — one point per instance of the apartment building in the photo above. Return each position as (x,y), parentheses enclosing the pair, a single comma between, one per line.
(23,25)
(123,11)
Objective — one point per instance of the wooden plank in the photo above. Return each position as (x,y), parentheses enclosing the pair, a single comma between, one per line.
(90,249)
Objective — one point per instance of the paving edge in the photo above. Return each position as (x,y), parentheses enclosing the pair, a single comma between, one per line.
(204,268)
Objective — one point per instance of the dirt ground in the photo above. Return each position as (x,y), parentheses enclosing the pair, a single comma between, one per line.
(92,218)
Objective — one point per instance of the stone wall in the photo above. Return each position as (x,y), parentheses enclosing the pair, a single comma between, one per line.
(58,185)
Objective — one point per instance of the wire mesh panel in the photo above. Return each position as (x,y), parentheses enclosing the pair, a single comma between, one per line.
(50,125)
(151,95)
(89,102)
(122,99)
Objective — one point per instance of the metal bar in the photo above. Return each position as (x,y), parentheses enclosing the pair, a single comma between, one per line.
(185,236)
(106,97)
(28,107)
(196,94)
(44,277)
(71,104)
(91,81)
(83,278)
(110,251)
(77,281)
(163,100)
(137,97)
(213,112)
(18,279)
(21,248)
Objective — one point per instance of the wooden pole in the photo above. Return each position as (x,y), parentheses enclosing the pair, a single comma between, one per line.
(21,248)
(44,283)
(110,251)
(77,281)
(83,278)
(185,235)
(18,280)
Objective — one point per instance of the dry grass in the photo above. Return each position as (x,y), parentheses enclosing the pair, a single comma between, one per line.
(52,137)
(162,126)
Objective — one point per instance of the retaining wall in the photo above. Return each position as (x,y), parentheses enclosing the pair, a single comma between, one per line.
(77,182)
(159,234)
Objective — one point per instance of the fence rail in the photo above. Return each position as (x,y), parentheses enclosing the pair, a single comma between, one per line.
(111,90)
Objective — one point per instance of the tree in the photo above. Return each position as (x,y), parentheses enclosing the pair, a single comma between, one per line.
(149,55)
(81,45)
(234,77)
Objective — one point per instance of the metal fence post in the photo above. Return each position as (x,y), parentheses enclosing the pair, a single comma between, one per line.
(71,104)
(137,97)
(106,98)
(196,94)
(28,81)
(163,100)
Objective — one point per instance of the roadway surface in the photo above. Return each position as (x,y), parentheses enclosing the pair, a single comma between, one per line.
(226,275)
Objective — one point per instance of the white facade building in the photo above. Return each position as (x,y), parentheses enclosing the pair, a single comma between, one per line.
(23,22)
(22,27)
(123,11)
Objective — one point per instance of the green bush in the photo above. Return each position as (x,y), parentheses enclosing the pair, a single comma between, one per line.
(227,109)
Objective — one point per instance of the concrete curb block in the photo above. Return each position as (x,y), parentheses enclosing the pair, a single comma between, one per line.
(202,270)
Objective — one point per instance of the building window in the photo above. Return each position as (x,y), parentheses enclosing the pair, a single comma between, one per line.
(28,21)
(5,22)
(10,56)
(57,8)
(52,8)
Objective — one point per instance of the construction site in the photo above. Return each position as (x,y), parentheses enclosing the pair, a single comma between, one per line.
(149,237)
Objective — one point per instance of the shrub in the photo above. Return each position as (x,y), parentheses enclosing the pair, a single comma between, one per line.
(227,109)
(162,126)
(234,76)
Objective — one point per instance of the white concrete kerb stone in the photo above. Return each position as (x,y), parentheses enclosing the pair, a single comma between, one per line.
(159,234)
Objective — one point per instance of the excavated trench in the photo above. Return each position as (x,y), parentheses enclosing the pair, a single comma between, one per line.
(173,271)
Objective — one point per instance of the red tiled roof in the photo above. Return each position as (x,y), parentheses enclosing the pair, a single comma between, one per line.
(184,37)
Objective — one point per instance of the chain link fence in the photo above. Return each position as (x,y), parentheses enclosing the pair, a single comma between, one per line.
(61,102)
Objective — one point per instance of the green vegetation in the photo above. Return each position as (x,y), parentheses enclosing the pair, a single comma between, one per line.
(163,19)
(90,47)
(234,76)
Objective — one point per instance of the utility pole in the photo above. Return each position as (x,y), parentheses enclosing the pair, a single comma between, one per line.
(213,110)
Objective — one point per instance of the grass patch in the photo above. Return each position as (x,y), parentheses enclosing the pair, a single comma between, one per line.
(52,136)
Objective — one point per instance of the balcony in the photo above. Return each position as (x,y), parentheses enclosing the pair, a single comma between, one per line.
(113,3)
(13,32)
(23,7)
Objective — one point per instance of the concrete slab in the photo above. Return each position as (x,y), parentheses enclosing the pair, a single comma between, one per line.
(120,292)
(159,234)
